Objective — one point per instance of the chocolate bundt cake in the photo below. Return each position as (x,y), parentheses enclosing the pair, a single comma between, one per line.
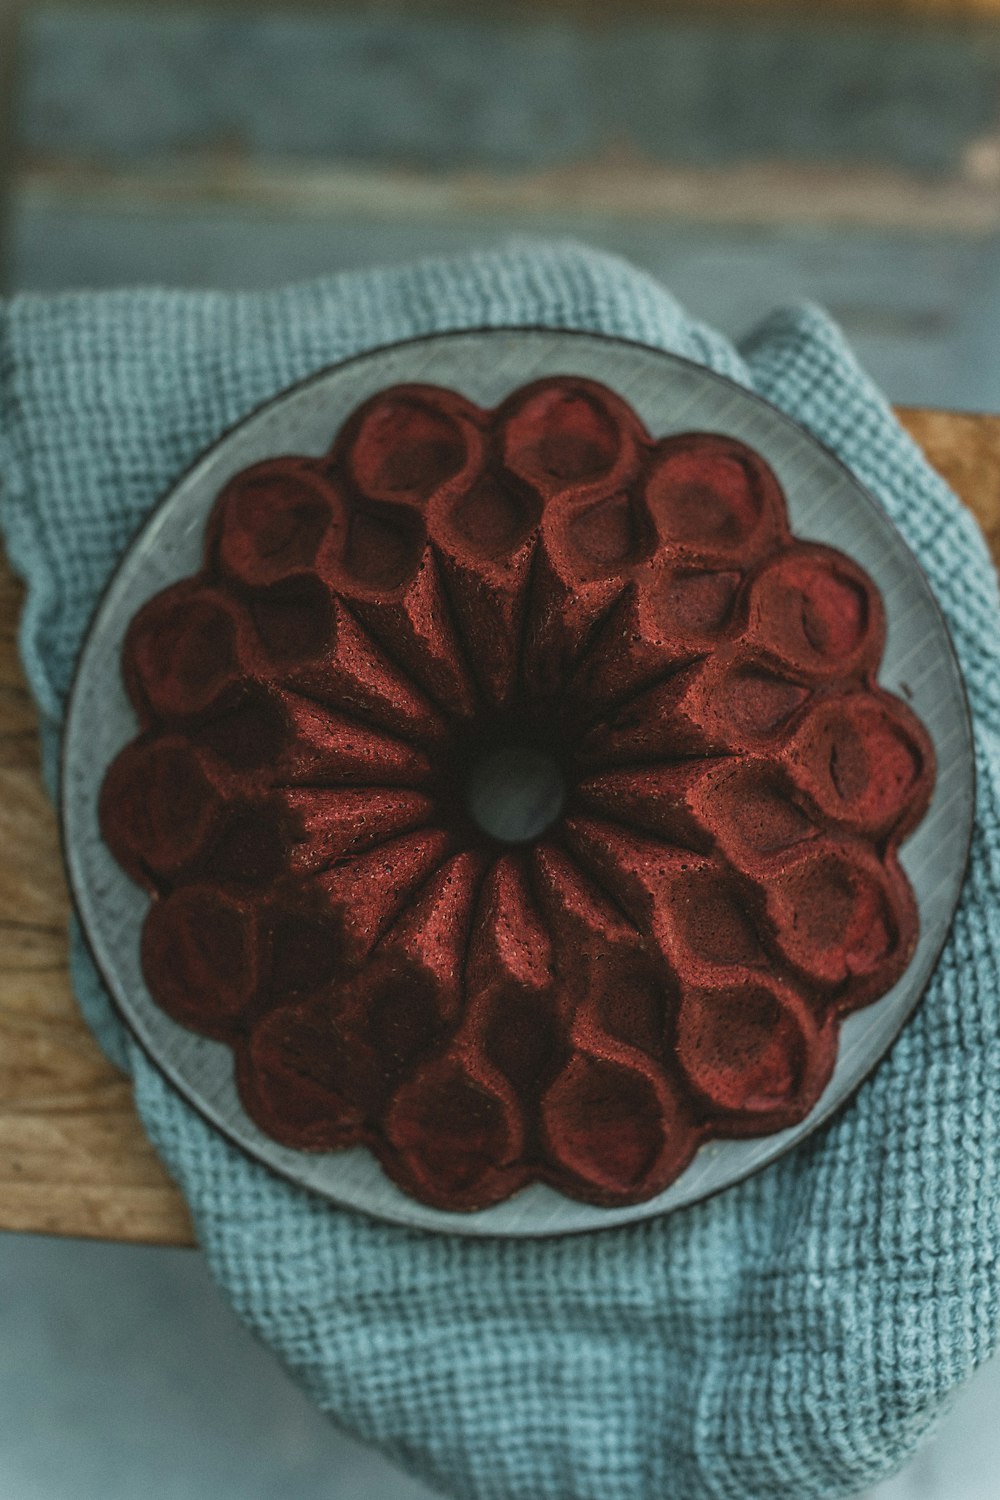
(516,796)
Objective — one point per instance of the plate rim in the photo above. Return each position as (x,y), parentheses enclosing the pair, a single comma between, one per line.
(468,1224)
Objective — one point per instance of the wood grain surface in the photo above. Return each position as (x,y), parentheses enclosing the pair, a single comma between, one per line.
(73,1156)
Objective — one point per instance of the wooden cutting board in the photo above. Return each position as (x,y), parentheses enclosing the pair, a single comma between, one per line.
(73,1156)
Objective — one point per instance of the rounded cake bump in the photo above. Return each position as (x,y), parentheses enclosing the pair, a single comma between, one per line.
(277,520)
(754,1052)
(571,438)
(409,443)
(580,995)
(201,956)
(714,501)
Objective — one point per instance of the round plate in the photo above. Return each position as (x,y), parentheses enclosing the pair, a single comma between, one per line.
(825,504)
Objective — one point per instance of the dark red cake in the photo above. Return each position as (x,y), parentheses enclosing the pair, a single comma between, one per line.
(711,886)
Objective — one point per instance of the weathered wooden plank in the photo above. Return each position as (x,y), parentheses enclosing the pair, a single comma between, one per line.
(757,195)
(18,723)
(903,297)
(446,86)
(73,1156)
(104,83)
(965,448)
(903,10)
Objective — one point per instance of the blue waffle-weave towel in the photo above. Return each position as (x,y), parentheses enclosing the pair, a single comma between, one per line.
(792,1338)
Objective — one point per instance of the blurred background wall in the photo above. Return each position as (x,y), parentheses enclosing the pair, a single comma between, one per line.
(845,152)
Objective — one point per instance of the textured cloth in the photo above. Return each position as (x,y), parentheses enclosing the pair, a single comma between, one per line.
(791,1338)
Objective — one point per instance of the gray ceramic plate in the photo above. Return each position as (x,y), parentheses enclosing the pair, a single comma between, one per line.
(826,504)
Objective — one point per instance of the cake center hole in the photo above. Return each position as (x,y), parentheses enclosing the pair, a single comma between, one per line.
(516,793)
